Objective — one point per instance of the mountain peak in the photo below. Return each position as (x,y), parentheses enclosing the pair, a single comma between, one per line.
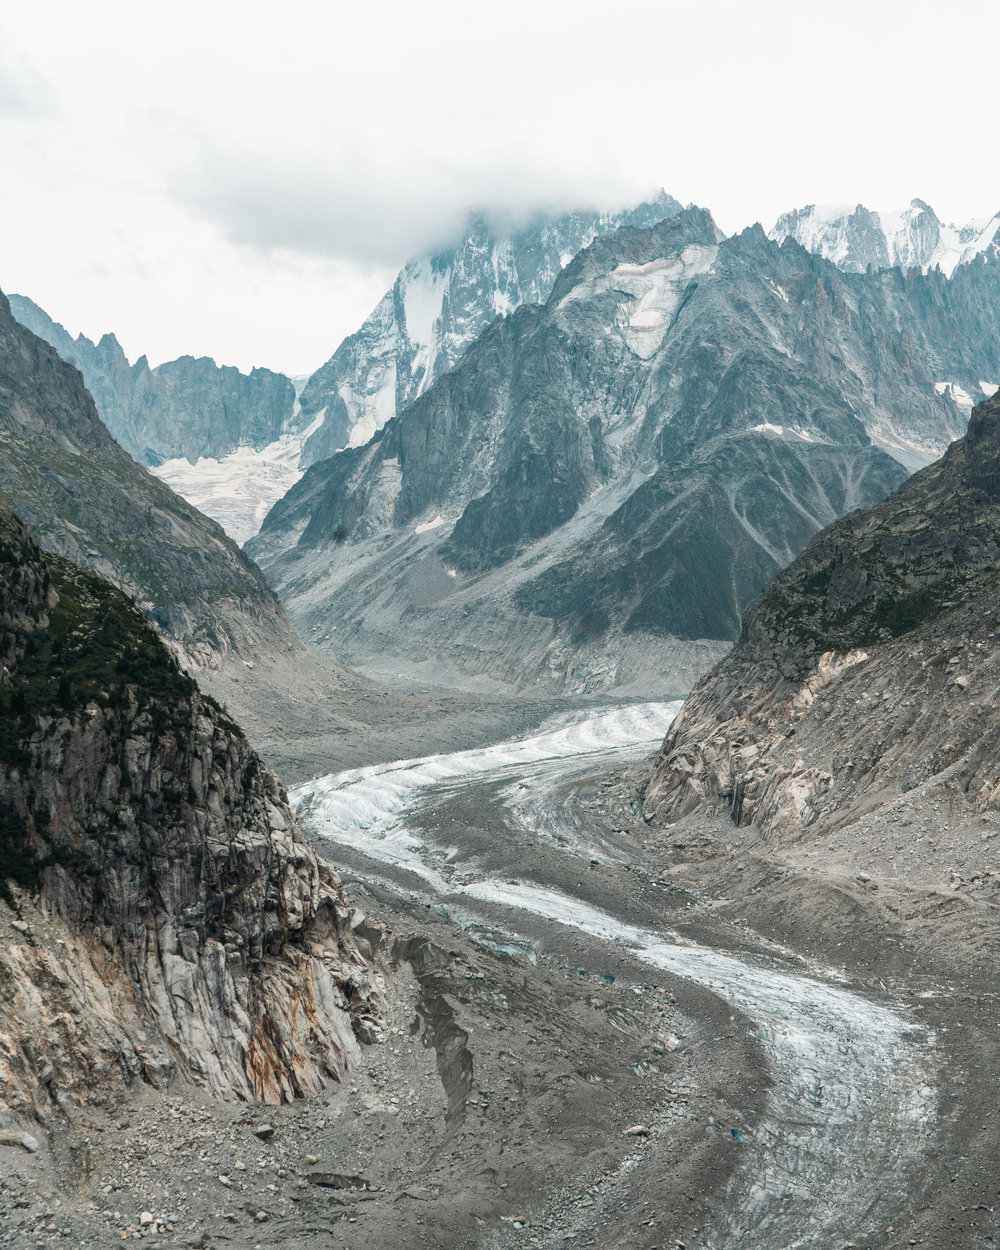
(910,238)
(438,306)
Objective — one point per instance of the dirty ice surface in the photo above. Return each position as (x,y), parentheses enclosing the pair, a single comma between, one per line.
(851,1103)
(363,808)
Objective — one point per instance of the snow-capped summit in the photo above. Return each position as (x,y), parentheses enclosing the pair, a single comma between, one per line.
(912,238)
(437,307)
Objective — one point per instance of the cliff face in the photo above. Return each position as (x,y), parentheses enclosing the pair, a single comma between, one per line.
(161,914)
(189,407)
(85,498)
(866,669)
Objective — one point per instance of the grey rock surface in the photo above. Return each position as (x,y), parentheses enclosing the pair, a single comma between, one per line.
(165,915)
(184,408)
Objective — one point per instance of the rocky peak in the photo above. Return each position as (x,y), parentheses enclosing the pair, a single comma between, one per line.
(855,238)
(437,307)
(154,884)
(632,245)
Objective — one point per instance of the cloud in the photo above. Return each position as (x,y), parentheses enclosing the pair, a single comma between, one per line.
(23,91)
(378,201)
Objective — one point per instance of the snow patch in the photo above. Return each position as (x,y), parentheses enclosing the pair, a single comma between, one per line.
(653,292)
(369,413)
(239,489)
(957,393)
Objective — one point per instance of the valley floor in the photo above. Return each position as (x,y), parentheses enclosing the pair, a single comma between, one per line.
(603,1033)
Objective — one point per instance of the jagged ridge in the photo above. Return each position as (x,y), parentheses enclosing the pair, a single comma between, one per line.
(183,408)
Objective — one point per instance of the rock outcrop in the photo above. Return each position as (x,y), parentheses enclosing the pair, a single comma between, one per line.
(162,917)
(865,670)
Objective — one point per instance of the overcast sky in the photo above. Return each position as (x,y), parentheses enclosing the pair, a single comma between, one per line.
(243,181)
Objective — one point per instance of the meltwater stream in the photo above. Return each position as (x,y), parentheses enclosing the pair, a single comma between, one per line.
(852,1099)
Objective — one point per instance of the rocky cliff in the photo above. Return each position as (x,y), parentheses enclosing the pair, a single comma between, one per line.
(865,671)
(87,499)
(186,408)
(162,916)
(437,308)
(604,481)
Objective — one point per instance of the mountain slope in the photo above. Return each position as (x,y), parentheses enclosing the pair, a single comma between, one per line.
(187,408)
(169,906)
(437,307)
(864,677)
(85,498)
(605,480)
(914,238)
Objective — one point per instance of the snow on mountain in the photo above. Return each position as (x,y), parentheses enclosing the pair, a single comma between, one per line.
(912,238)
(437,307)
(232,445)
(239,489)
(601,483)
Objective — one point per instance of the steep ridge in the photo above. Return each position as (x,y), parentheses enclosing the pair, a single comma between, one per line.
(85,498)
(162,914)
(437,307)
(547,511)
(864,677)
(186,408)
(913,238)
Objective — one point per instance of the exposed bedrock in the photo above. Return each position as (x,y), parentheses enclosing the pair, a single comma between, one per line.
(866,669)
(163,916)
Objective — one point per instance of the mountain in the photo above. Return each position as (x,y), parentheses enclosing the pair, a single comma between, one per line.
(186,408)
(232,444)
(912,238)
(86,498)
(165,915)
(437,307)
(601,483)
(229,442)
(863,683)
